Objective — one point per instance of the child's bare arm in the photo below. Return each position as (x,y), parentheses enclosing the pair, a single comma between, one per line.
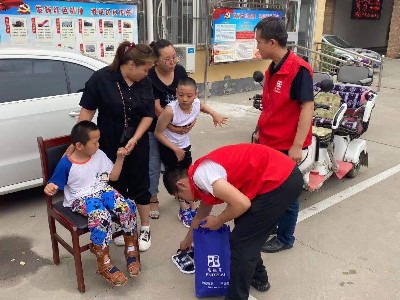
(51,189)
(217,118)
(116,170)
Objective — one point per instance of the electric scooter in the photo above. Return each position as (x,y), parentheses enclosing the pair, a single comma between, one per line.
(338,123)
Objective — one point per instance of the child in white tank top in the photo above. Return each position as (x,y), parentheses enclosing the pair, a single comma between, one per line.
(175,147)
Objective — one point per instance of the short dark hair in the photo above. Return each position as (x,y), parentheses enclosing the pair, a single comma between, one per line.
(273,28)
(188,81)
(80,132)
(171,177)
(158,45)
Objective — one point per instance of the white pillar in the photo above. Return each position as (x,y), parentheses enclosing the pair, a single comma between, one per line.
(149,20)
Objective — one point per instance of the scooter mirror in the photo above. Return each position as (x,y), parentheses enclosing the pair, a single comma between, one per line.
(326,85)
(258,76)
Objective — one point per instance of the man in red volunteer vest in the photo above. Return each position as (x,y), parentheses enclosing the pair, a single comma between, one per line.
(285,123)
(258,184)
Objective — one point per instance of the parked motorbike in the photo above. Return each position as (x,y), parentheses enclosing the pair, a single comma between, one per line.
(341,115)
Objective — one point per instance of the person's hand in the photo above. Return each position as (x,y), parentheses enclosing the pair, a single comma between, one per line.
(219,120)
(255,137)
(121,153)
(130,145)
(180,154)
(70,150)
(295,153)
(211,222)
(190,126)
(181,130)
(51,189)
(185,244)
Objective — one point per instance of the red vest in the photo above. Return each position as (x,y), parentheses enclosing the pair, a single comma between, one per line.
(277,125)
(253,169)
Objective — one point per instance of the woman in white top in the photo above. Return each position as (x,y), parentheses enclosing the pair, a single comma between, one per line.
(175,147)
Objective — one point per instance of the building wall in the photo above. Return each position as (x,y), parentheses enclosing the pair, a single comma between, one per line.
(329,17)
(362,33)
(319,19)
(393,50)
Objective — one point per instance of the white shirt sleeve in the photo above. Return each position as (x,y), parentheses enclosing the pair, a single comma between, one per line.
(207,173)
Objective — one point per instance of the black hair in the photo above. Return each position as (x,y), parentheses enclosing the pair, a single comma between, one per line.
(273,28)
(140,54)
(171,177)
(188,81)
(158,45)
(80,132)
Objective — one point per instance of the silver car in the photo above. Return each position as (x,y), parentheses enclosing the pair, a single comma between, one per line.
(40,90)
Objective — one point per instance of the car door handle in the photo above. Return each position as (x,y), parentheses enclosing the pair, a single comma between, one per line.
(74,114)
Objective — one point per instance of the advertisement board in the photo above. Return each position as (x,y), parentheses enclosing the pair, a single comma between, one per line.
(366,9)
(95,29)
(233,35)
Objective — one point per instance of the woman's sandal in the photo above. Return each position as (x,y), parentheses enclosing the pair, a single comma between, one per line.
(105,268)
(154,214)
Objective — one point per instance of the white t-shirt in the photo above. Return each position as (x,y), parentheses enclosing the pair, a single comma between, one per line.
(80,180)
(181,119)
(207,173)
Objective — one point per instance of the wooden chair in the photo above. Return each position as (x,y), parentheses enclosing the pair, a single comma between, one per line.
(51,151)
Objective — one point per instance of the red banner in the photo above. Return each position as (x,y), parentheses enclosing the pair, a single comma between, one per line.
(80,25)
(101,26)
(58,25)
(7,22)
(119,26)
(245,35)
(101,50)
(33,25)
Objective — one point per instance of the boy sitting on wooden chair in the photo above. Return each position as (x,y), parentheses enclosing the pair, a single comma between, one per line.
(84,177)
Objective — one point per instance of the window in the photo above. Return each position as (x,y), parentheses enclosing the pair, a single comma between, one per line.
(77,76)
(180,21)
(31,78)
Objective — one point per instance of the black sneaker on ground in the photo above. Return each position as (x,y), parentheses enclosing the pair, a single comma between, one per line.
(274,245)
(259,286)
(184,260)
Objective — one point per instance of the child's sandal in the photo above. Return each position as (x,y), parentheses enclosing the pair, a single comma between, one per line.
(112,274)
(132,257)
(105,268)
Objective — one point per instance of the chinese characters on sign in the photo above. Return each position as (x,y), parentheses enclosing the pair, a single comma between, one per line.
(366,9)
(93,28)
(233,37)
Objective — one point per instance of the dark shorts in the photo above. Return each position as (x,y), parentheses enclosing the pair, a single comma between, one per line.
(170,160)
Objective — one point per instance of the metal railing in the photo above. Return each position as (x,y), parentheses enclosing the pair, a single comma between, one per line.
(326,58)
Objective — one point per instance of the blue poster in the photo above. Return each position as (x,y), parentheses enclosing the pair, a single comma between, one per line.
(233,36)
(95,29)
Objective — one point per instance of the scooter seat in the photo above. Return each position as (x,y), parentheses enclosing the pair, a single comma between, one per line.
(323,134)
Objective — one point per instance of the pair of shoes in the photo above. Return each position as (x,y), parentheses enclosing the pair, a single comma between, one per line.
(185,215)
(275,245)
(144,240)
(184,260)
(154,214)
(260,286)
